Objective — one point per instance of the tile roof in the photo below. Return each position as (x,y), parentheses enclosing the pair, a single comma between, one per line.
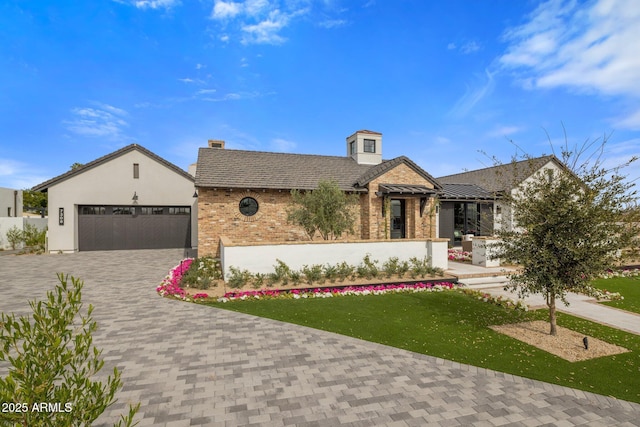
(382,168)
(464,192)
(222,168)
(53,181)
(500,178)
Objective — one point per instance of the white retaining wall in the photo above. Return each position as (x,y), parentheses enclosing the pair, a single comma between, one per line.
(483,253)
(6,223)
(262,258)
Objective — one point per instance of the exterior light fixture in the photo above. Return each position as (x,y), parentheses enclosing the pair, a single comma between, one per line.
(135,197)
(195,194)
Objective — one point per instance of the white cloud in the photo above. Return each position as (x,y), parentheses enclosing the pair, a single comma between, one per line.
(235,96)
(333,23)
(104,121)
(225,10)
(472,96)
(630,121)
(503,131)
(282,145)
(466,47)
(265,32)
(255,7)
(470,47)
(8,167)
(257,21)
(442,140)
(18,175)
(589,47)
(156,4)
(206,91)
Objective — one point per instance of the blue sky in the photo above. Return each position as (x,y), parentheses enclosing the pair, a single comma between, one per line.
(441,80)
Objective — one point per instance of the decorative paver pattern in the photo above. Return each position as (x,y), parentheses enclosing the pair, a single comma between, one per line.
(192,365)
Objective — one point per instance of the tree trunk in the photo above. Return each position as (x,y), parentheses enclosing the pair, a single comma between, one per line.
(551,303)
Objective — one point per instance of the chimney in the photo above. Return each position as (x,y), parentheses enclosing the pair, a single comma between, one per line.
(216,143)
(365,147)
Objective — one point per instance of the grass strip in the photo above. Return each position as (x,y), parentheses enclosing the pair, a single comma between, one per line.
(454,326)
(628,287)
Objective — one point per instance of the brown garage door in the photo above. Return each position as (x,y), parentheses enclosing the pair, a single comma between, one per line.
(103,228)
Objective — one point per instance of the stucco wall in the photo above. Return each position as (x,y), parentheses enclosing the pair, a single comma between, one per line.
(20,222)
(262,258)
(9,199)
(507,221)
(112,183)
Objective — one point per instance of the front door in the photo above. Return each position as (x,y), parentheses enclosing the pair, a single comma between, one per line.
(397,219)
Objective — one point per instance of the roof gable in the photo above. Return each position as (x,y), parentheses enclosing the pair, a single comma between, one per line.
(504,177)
(384,167)
(104,159)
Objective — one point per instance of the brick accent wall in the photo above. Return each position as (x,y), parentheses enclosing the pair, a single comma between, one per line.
(219,215)
(416,227)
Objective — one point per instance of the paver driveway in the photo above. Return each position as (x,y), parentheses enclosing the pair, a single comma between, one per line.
(191,365)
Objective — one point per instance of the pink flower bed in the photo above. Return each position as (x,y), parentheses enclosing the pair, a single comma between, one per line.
(459,255)
(333,292)
(170,285)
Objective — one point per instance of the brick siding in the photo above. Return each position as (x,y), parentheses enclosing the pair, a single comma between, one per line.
(219,215)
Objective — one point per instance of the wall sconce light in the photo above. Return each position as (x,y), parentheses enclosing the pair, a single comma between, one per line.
(195,194)
(135,197)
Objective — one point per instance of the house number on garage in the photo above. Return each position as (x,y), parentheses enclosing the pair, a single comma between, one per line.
(60,216)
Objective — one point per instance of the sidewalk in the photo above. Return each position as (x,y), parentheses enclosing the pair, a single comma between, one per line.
(493,280)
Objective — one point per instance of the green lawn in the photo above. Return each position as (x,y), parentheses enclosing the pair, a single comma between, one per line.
(454,326)
(629,288)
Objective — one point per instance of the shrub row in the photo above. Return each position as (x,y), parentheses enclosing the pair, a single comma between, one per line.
(31,237)
(320,273)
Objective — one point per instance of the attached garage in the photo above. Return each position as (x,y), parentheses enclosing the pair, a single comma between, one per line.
(102,228)
(128,199)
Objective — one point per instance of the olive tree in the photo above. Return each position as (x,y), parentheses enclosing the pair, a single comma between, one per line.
(570,226)
(326,210)
(53,363)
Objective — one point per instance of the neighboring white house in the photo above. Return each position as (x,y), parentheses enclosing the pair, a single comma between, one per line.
(11,216)
(10,213)
(128,199)
(10,202)
(471,201)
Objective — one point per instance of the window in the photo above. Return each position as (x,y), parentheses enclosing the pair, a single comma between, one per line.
(248,206)
(180,210)
(122,210)
(369,145)
(150,210)
(352,147)
(136,171)
(92,210)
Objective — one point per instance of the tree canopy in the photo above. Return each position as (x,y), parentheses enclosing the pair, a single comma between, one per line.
(326,210)
(570,226)
(34,200)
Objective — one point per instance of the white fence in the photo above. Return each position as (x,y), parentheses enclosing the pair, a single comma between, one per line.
(6,223)
(261,258)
